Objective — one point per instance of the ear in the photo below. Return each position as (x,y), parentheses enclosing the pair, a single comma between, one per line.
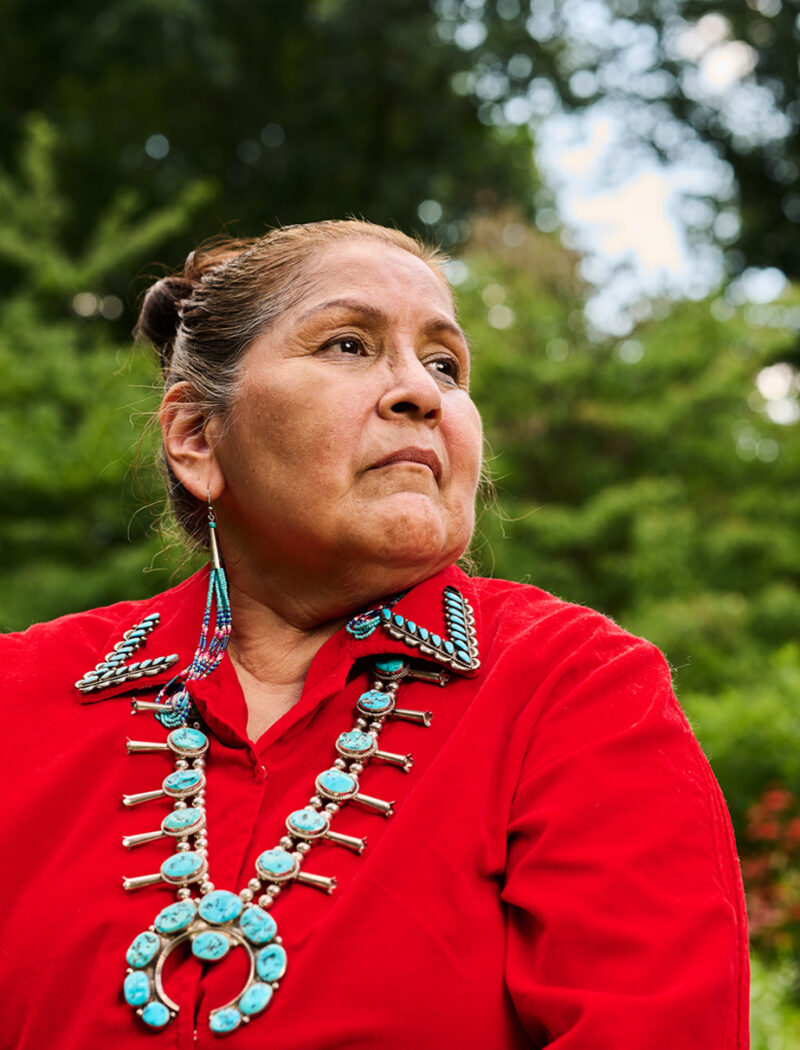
(188,436)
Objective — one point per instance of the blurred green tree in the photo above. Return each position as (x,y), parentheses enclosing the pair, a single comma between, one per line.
(297,109)
(67,394)
(643,477)
(302,109)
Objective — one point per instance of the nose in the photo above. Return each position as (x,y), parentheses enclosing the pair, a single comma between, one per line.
(412,392)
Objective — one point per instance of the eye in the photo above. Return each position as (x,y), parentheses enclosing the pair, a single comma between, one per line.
(351,346)
(448,368)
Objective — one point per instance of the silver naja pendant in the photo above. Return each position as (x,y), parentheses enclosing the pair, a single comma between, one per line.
(219,921)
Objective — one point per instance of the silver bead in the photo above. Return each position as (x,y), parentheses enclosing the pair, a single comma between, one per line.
(181,805)
(254,885)
(303,847)
(265,901)
(375,727)
(361,723)
(202,852)
(181,764)
(207,887)
(315,801)
(246,895)
(183,846)
(340,764)
(273,890)
(332,807)
(286,842)
(184,894)
(200,798)
(199,763)
(201,841)
(356,768)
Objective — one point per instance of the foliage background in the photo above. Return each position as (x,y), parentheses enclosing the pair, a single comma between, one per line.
(644,475)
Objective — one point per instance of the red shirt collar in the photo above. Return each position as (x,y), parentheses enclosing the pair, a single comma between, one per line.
(180,610)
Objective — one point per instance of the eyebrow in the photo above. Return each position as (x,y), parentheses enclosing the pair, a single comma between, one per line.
(432,327)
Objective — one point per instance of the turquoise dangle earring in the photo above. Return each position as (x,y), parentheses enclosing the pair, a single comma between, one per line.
(213,643)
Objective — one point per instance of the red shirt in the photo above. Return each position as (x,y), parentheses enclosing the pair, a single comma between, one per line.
(560,868)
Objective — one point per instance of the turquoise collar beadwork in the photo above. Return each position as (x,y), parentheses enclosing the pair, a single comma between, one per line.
(458,651)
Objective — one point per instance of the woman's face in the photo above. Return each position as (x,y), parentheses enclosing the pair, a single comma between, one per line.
(353,442)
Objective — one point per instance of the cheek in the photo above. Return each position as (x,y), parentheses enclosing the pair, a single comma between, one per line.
(466,445)
(297,449)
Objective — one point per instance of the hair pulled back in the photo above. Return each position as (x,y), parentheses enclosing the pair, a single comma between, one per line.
(202,319)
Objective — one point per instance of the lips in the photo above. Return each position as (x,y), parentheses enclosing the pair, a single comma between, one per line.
(425,456)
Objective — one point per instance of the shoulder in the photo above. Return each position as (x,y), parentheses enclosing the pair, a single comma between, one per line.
(558,659)
(526,618)
(72,644)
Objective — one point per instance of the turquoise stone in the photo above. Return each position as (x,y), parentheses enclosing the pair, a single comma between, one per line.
(220,906)
(175,917)
(136,988)
(356,741)
(181,866)
(463,657)
(155,1014)
(226,1020)
(257,925)
(398,619)
(275,862)
(182,780)
(436,640)
(181,819)
(271,963)
(386,614)
(424,634)
(337,782)
(143,949)
(389,664)
(255,999)
(449,648)
(210,946)
(374,700)
(307,820)
(187,739)
(411,626)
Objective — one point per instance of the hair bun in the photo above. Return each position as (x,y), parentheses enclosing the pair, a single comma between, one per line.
(160,314)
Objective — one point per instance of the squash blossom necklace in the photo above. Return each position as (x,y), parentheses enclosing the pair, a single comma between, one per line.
(213,921)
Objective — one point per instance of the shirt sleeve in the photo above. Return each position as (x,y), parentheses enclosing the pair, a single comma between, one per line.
(625,907)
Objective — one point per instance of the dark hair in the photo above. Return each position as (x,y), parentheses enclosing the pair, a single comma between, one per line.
(202,319)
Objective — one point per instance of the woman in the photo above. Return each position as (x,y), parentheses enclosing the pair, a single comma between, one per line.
(557,867)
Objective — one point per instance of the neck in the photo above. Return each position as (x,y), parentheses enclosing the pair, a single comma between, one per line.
(280,623)
(272,654)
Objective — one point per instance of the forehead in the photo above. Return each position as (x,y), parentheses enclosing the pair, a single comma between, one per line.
(378,272)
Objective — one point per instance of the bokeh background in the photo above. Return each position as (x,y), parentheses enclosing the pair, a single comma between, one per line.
(618,182)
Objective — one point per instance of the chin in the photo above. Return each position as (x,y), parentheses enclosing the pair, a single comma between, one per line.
(416,534)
